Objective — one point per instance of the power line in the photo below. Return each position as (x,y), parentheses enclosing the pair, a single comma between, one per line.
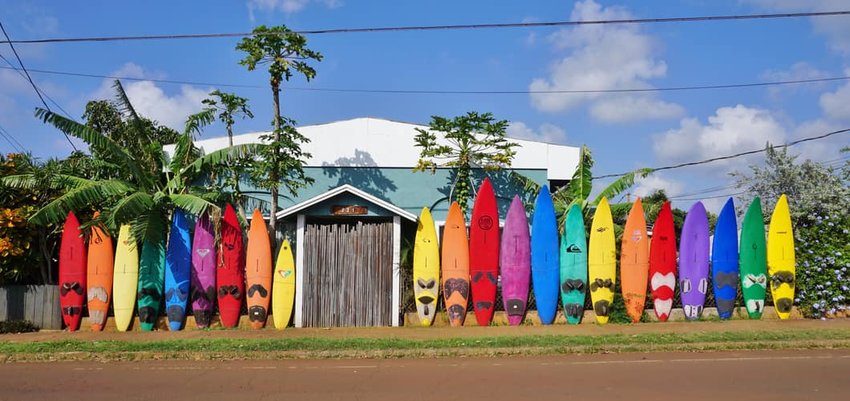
(452,92)
(438,27)
(29,78)
(732,156)
(711,197)
(11,139)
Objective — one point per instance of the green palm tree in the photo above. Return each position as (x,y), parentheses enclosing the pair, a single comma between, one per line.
(144,185)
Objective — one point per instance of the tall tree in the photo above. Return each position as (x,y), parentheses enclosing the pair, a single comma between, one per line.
(465,142)
(227,107)
(140,193)
(285,53)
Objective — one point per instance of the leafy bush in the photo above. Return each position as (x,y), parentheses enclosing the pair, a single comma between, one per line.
(17,326)
(823,258)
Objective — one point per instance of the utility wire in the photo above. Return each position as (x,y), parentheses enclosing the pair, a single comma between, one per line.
(20,72)
(453,92)
(29,78)
(9,138)
(439,27)
(727,157)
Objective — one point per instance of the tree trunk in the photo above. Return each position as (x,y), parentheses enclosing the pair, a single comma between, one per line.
(240,208)
(46,266)
(273,175)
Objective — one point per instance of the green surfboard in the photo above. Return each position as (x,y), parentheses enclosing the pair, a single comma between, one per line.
(753,260)
(151,283)
(573,272)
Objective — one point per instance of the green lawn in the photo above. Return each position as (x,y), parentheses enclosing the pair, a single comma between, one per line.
(318,347)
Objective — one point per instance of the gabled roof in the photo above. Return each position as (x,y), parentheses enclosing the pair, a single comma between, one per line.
(343,189)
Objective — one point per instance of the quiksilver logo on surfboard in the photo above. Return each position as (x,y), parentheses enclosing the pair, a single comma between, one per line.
(573,248)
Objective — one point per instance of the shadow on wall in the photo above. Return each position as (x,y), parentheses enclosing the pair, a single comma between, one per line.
(504,185)
(366,177)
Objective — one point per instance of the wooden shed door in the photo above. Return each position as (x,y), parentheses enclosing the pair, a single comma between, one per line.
(348,274)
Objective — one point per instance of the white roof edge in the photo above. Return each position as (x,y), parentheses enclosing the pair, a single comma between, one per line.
(346,188)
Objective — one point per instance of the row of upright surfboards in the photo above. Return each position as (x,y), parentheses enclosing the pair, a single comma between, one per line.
(183,272)
(564,268)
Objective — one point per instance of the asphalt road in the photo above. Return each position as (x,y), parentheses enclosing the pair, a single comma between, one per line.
(762,375)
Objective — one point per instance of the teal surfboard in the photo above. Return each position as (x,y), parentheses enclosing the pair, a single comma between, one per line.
(151,283)
(573,263)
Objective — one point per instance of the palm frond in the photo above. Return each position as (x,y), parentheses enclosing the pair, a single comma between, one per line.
(97,140)
(127,108)
(221,156)
(581,183)
(128,208)
(33,182)
(621,184)
(79,198)
(150,227)
(193,204)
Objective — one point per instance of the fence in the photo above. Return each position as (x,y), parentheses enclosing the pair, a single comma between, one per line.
(37,303)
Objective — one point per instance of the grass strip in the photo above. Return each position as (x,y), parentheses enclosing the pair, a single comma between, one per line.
(318,345)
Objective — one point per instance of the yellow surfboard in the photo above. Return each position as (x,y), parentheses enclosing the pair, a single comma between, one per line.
(602,261)
(125,279)
(283,288)
(426,268)
(780,258)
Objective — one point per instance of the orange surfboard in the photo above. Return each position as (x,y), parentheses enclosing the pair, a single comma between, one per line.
(258,271)
(455,265)
(634,262)
(99,270)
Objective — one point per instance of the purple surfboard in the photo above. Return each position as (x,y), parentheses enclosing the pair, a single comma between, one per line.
(515,262)
(203,271)
(693,261)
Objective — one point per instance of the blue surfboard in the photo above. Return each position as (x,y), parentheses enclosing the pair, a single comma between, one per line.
(724,261)
(178,262)
(545,268)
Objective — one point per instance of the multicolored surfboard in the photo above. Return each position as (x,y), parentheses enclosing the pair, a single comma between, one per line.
(125,281)
(426,268)
(573,264)
(151,283)
(753,260)
(602,261)
(515,262)
(100,266)
(283,286)
(545,268)
(662,263)
(230,275)
(203,271)
(724,261)
(72,273)
(781,264)
(258,271)
(177,266)
(484,253)
(693,261)
(455,265)
(634,262)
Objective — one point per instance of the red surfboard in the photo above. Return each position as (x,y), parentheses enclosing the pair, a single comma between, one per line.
(484,253)
(662,263)
(72,273)
(230,275)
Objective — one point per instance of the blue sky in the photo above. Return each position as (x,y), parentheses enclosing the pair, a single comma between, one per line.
(624,131)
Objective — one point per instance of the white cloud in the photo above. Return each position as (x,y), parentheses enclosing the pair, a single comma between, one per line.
(151,101)
(653,182)
(730,130)
(288,6)
(836,105)
(545,133)
(798,72)
(836,29)
(823,150)
(624,109)
(603,57)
